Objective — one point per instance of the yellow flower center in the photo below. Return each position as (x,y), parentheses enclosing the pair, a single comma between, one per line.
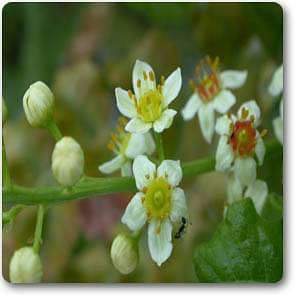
(120,139)
(149,106)
(157,199)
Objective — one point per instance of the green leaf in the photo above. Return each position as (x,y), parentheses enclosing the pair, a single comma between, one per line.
(245,248)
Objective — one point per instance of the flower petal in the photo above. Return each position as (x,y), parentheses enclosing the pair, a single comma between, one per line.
(278,129)
(140,68)
(136,145)
(245,170)
(149,142)
(136,125)
(281,108)
(165,121)
(276,85)
(233,79)
(126,169)
(253,110)
(224,155)
(135,214)
(191,107)
(171,87)
(223,125)
(234,189)
(179,207)
(260,149)
(160,240)
(144,171)
(171,170)
(224,101)
(258,192)
(206,117)
(112,165)
(125,104)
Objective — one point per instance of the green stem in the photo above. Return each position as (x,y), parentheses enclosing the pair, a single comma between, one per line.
(54,130)
(5,171)
(9,216)
(38,229)
(159,146)
(90,186)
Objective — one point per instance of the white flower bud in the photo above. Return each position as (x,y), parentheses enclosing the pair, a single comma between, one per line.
(67,161)
(38,103)
(4,112)
(124,254)
(25,266)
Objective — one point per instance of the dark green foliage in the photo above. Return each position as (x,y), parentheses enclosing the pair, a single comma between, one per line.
(245,248)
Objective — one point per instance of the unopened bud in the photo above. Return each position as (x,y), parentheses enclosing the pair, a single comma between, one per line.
(25,266)
(67,161)
(124,254)
(4,112)
(38,103)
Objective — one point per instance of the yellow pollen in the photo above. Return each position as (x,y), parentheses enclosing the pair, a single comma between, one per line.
(158,198)
(119,140)
(149,106)
(162,80)
(139,83)
(151,76)
(157,231)
(130,93)
(264,133)
(145,75)
(111,146)
(216,62)
(245,113)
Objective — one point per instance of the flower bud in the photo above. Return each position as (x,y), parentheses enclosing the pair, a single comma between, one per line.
(124,254)
(67,161)
(25,266)
(38,103)
(4,112)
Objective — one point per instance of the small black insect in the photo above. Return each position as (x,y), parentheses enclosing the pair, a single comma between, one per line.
(181,229)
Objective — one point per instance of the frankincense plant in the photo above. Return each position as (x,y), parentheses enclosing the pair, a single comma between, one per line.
(160,205)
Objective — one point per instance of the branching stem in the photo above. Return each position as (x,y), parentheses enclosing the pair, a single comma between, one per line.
(93,186)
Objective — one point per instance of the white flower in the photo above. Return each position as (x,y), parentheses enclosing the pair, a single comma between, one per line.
(126,146)
(212,94)
(257,191)
(276,86)
(159,202)
(239,142)
(278,124)
(25,266)
(124,253)
(275,89)
(67,161)
(148,106)
(38,103)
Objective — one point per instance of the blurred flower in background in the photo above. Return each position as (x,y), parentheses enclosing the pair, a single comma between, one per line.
(83,52)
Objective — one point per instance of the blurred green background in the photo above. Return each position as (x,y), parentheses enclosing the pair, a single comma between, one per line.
(84,51)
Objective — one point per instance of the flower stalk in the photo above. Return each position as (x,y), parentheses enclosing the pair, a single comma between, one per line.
(159,146)
(54,130)
(5,171)
(38,228)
